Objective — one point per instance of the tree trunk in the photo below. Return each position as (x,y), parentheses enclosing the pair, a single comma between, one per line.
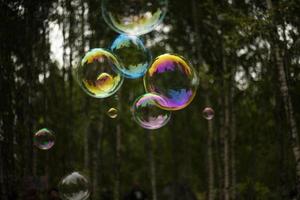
(225,126)
(210,166)
(118,155)
(7,129)
(288,106)
(219,154)
(232,144)
(226,148)
(99,132)
(151,159)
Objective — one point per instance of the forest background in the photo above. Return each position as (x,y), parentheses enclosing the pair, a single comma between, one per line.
(247,54)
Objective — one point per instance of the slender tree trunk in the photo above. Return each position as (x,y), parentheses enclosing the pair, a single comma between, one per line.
(210,166)
(118,163)
(232,144)
(289,112)
(288,106)
(118,155)
(226,149)
(225,127)
(220,154)
(200,61)
(7,129)
(96,159)
(175,159)
(151,159)
(29,77)
(197,30)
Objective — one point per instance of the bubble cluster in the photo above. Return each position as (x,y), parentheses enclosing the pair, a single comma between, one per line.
(173,78)
(147,113)
(98,73)
(134,17)
(112,113)
(74,187)
(132,54)
(208,113)
(44,139)
(170,80)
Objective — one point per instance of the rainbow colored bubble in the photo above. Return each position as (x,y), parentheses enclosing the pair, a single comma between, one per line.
(148,114)
(134,17)
(134,57)
(98,73)
(44,139)
(174,79)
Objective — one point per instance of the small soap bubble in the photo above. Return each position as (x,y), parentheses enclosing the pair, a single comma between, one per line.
(134,17)
(148,114)
(112,113)
(44,139)
(173,78)
(98,73)
(208,113)
(132,54)
(74,187)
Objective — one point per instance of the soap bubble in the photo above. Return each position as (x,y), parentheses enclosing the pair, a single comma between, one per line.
(132,54)
(134,17)
(74,187)
(44,139)
(173,78)
(98,73)
(147,113)
(112,113)
(208,113)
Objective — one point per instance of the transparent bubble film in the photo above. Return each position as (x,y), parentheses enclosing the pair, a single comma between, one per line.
(74,187)
(98,73)
(112,113)
(44,139)
(132,54)
(134,17)
(173,78)
(148,114)
(208,113)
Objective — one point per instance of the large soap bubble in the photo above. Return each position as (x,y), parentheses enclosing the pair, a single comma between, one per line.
(44,139)
(134,17)
(173,78)
(74,187)
(132,54)
(98,73)
(147,113)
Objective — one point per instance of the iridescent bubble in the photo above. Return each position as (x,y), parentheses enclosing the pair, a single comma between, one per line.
(208,113)
(147,113)
(74,187)
(112,113)
(134,17)
(173,78)
(133,55)
(98,73)
(44,139)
